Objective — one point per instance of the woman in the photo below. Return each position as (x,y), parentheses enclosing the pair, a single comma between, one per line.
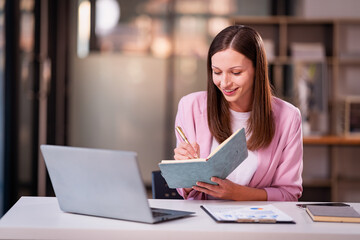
(239,95)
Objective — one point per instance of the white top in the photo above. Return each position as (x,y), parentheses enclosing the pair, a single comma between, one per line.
(245,171)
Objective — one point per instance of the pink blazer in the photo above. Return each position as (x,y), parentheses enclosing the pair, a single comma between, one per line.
(279,165)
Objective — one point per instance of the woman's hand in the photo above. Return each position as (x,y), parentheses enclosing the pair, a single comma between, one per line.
(226,189)
(187,151)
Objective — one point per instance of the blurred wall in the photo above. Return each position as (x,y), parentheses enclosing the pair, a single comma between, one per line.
(118,102)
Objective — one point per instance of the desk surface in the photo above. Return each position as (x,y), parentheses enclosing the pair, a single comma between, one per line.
(41,218)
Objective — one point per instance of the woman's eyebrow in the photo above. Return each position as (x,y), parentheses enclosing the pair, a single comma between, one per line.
(236,67)
(229,68)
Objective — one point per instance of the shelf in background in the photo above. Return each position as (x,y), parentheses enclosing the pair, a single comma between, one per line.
(349,179)
(331,140)
(322,180)
(349,60)
(283,60)
(316,182)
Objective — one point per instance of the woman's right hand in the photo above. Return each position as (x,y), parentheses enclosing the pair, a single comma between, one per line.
(187,151)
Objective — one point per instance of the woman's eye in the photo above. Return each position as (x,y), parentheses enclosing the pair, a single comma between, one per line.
(236,73)
(217,73)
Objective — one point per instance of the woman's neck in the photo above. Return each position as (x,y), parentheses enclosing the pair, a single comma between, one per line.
(242,107)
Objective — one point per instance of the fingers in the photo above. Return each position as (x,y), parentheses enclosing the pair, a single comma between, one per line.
(204,190)
(220,190)
(196,148)
(181,153)
(181,156)
(207,188)
(218,180)
(191,149)
(186,151)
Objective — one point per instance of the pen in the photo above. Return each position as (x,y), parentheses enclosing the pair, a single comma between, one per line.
(184,138)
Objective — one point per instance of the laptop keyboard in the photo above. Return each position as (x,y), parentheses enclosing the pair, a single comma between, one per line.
(159,214)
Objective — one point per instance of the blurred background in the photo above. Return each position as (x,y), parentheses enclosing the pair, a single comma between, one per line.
(109,74)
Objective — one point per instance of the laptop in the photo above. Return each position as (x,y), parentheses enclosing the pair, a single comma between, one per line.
(103,183)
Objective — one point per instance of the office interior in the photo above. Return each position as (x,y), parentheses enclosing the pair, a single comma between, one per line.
(109,74)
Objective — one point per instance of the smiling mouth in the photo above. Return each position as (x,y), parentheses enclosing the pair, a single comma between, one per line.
(229,91)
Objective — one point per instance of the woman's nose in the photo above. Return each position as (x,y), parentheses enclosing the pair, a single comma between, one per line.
(225,81)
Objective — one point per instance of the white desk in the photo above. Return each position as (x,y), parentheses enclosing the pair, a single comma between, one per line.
(41,218)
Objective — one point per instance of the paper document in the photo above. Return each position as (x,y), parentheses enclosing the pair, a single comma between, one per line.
(254,214)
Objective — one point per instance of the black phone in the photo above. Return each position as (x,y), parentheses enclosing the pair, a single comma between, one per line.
(339,204)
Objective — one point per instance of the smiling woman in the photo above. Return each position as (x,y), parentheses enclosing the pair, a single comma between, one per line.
(239,96)
(233,74)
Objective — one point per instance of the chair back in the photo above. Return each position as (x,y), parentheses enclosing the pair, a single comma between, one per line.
(160,189)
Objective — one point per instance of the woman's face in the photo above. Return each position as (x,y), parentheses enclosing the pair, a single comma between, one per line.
(233,74)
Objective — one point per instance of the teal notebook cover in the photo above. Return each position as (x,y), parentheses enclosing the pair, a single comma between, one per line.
(221,164)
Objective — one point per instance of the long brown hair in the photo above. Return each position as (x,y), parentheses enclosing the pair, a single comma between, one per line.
(248,42)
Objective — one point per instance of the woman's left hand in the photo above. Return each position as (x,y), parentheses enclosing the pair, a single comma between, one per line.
(226,189)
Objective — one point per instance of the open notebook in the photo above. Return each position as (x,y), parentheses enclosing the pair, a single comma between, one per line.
(220,163)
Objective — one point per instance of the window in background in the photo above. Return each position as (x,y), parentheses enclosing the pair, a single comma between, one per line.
(147,26)
(83,32)
(135,27)
(26,171)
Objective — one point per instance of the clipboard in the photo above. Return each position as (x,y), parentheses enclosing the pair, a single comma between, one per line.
(267,214)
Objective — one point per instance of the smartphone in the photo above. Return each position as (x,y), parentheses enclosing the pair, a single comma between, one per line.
(339,204)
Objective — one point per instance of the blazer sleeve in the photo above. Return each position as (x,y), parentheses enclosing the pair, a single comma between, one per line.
(287,181)
(185,118)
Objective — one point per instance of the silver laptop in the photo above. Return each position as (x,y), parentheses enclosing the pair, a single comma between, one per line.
(103,183)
